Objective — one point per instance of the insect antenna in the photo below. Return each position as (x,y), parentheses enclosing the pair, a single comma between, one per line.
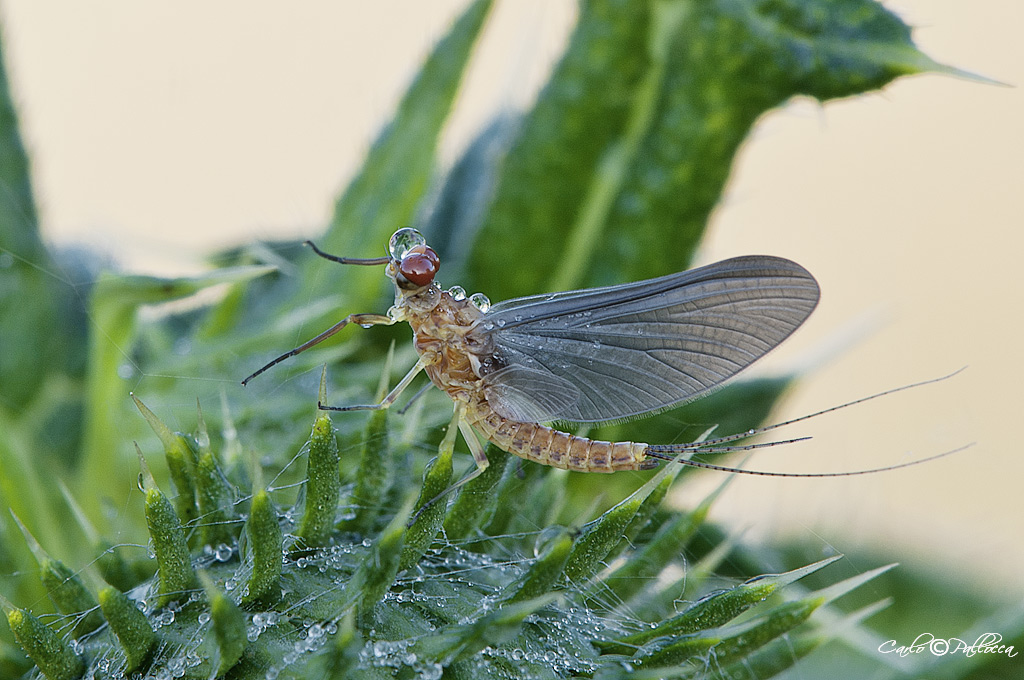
(369,261)
(347,260)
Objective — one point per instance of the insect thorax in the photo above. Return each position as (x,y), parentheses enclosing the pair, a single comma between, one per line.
(448,329)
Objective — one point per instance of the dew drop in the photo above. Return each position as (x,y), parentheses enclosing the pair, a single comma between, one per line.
(223,552)
(404,240)
(204,618)
(480,301)
(458,293)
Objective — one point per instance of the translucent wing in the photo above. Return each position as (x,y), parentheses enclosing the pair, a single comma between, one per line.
(620,351)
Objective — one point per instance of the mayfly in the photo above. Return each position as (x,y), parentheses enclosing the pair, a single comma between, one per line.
(588,355)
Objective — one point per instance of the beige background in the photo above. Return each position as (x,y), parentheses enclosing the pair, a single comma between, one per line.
(161,130)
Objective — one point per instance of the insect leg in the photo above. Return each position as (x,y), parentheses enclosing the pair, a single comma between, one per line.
(423,390)
(361,319)
(424,361)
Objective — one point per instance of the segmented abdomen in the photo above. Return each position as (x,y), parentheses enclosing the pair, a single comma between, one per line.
(559,449)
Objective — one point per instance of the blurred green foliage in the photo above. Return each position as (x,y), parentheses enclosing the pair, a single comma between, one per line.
(610,177)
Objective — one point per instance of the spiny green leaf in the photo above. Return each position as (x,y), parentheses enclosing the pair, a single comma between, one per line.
(180,452)
(478,499)
(716,609)
(216,508)
(53,656)
(491,629)
(229,631)
(174,563)
(373,478)
(427,520)
(378,572)
(322,485)
(64,587)
(601,535)
(667,544)
(265,542)
(214,493)
(129,625)
(345,650)
(542,575)
(70,596)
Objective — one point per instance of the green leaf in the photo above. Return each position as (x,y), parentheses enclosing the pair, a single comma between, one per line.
(70,595)
(377,573)
(629,146)
(180,453)
(30,294)
(565,138)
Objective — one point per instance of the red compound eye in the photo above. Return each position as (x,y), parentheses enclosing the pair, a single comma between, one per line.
(420,265)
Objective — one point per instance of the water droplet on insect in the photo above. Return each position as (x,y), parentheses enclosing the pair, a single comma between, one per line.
(480,301)
(404,240)
(366,325)
(457,293)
